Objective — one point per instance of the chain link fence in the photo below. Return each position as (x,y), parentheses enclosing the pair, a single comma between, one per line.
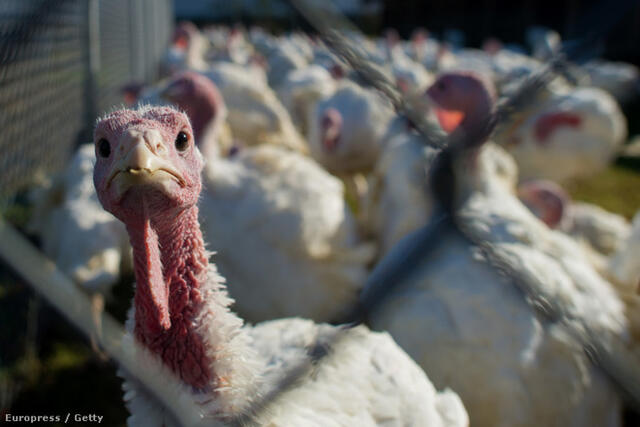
(62,63)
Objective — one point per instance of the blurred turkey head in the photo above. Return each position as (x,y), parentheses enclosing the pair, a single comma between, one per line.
(463,102)
(184,32)
(546,200)
(199,97)
(331,126)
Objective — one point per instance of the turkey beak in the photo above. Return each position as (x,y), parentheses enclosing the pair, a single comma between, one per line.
(142,159)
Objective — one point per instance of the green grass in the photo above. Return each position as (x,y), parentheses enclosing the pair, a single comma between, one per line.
(616,189)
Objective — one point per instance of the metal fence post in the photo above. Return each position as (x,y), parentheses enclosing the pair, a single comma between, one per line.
(93,65)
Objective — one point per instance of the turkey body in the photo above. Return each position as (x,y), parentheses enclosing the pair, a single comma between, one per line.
(567,136)
(255,114)
(386,387)
(289,228)
(467,325)
(84,241)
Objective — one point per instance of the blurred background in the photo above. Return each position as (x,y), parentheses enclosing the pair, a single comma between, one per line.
(63,63)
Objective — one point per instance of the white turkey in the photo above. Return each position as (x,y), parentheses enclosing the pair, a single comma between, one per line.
(468,325)
(86,243)
(347,129)
(256,116)
(301,90)
(148,175)
(567,134)
(282,58)
(399,180)
(624,264)
(620,79)
(602,230)
(609,234)
(188,50)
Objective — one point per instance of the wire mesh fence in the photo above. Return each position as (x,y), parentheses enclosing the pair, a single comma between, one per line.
(65,62)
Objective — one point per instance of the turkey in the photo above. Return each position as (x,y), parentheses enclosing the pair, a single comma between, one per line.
(399,179)
(67,210)
(624,264)
(465,323)
(207,110)
(256,116)
(608,234)
(620,79)
(347,129)
(188,50)
(570,133)
(301,90)
(86,243)
(604,231)
(295,226)
(147,174)
(282,58)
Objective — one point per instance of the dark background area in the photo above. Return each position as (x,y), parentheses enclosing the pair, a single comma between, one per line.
(618,21)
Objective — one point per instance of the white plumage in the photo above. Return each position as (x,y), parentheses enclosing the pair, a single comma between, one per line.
(467,325)
(365,380)
(620,79)
(400,180)
(288,227)
(365,119)
(624,264)
(256,116)
(568,135)
(85,242)
(221,365)
(471,327)
(301,90)
(604,231)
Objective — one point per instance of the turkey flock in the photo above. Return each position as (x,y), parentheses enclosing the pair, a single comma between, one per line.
(257,188)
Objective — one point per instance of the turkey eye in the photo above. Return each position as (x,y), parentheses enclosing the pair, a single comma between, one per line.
(104,148)
(182,141)
(442,86)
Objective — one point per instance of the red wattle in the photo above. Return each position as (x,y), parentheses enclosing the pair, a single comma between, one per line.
(548,123)
(449,119)
(152,296)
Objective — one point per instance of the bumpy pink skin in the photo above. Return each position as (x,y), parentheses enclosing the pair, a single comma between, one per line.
(199,97)
(169,255)
(168,122)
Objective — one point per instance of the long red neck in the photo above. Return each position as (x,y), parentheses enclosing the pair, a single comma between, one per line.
(170,266)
